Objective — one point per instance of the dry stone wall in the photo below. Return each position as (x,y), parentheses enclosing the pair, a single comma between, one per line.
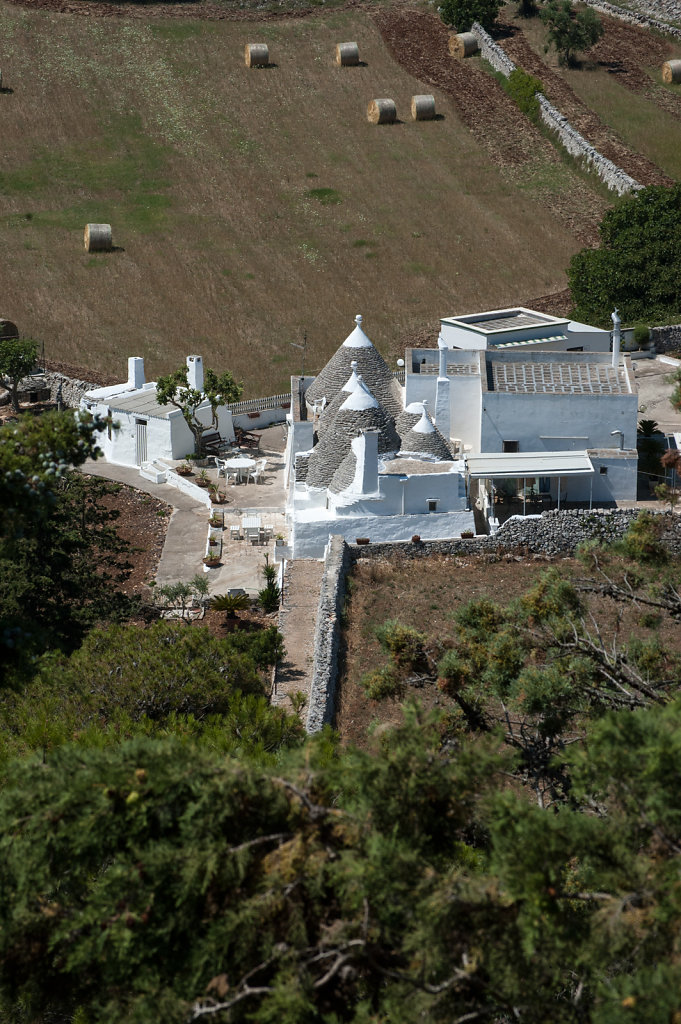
(72,390)
(614,177)
(322,702)
(666,339)
(668,8)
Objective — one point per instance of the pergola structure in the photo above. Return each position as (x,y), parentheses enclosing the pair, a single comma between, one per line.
(530,465)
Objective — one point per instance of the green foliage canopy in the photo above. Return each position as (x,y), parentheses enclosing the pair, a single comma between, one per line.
(570,30)
(636,265)
(218,389)
(17,359)
(462,13)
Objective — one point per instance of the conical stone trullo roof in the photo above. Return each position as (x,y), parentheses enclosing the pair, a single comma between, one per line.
(359,411)
(425,439)
(409,417)
(331,410)
(370,363)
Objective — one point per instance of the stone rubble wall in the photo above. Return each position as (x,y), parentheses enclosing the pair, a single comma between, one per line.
(554,533)
(614,177)
(670,8)
(72,389)
(491,51)
(322,703)
(666,339)
(576,145)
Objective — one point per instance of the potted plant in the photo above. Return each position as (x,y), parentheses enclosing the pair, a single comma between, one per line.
(216,495)
(202,480)
(212,559)
(467,535)
(213,542)
(279,540)
(185,469)
(416,538)
(216,522)
(362,540)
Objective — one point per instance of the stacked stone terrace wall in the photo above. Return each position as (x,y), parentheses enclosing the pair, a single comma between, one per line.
(666,339)
(553,533)
(322,701)
(670,8)
(72,390)
(614,177)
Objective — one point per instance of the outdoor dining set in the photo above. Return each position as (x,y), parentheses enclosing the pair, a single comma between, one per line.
(241,469)
(252,529)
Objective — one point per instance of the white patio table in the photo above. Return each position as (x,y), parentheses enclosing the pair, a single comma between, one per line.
(251,528)
(241,464)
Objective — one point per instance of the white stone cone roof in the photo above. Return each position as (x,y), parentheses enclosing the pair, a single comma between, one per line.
(409,416)
(360,411)
(425,439)
(334,405)
(370,363)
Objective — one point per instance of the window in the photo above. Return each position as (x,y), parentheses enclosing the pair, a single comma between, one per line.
(603,470)
(432,504)
(108,423)
(577,348)
(509,446)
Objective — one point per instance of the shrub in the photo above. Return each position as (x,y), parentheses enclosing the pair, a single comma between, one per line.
(641,335)
(641,541)
(462,13)
(405,644)
(522,88)
(269,597)
(382,683)
(230,604)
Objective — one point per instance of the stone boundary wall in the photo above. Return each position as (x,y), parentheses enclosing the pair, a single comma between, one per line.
(552,533)
(72,389)
(642,20)
(576,145)
(322,704)
(491,51)
(666,339)
(614,177)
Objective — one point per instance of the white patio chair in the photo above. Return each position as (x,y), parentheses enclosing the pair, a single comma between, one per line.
(235,532)
(259,471)
(222,467)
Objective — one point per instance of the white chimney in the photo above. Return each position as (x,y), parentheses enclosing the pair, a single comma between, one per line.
(615,339)
(195,373)
(443,357)
(136,372)
(365,447)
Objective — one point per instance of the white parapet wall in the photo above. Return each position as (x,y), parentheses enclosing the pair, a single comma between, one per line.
(311,532)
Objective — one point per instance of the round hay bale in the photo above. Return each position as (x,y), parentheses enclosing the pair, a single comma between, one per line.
(423,108)
(347,55)
(256,55)
(671,72)
(97,237)
(382,112)
(465,44)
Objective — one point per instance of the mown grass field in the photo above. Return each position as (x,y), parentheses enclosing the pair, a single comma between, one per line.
(248,206)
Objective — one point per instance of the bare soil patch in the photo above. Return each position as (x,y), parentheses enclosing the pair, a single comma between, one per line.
(426,594)
(142,521)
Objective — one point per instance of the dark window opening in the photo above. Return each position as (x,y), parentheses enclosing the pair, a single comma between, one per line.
(510,446)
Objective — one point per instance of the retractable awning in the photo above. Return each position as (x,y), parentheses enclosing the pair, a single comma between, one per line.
(528,464)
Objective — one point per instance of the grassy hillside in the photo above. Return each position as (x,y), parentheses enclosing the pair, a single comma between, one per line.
(248,205)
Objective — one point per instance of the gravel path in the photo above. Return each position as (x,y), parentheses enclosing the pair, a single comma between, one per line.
(297,620)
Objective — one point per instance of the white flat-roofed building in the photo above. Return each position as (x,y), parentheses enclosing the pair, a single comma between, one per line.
(139,429)
(519,327)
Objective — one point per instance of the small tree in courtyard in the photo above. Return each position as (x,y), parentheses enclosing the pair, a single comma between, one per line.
(17,359)
(462,13)
(570,30)
(218,389)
